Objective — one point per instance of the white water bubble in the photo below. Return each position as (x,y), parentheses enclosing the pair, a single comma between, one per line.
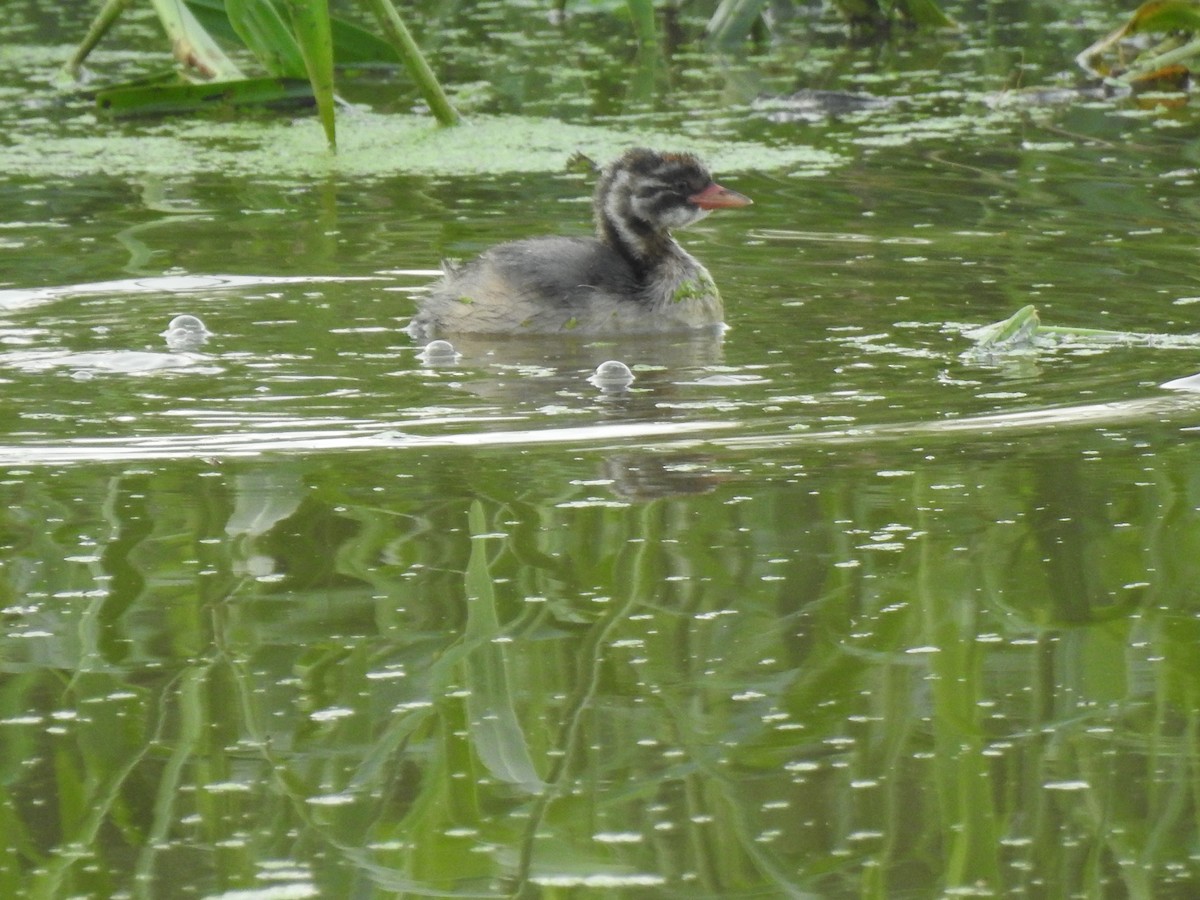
(186,332)
(439,353)
(612,375)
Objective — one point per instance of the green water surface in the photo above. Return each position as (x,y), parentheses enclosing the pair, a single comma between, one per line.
(830,607)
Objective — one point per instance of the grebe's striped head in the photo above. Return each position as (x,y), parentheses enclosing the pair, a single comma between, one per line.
(644,194)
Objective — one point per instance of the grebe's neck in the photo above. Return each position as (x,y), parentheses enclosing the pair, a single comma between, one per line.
(619,224)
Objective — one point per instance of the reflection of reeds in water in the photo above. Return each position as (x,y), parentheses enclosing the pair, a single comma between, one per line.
(969,683)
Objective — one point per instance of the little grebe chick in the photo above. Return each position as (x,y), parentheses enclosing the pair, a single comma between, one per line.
(631,278)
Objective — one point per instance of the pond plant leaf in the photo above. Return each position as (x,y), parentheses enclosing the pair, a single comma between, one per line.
(1015,332)
(733,20)
(352,44)
(355,45)
(1178,18)
(1164,15)
(262,29)
(644,27)
(1163,87)
(105,19)
(1173,77)
(924,14)
(1024,330)
(168,94)
(310,24)
(401,38)
(193,47)
(291,38)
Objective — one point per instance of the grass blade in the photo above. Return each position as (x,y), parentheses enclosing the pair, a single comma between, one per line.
(733,20)
(310,24)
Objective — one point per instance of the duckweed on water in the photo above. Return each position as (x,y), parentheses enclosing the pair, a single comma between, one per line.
(374,145)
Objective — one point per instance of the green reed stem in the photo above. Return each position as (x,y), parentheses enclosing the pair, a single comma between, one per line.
(401,38)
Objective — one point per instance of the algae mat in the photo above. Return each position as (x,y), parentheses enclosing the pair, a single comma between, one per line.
(369,145)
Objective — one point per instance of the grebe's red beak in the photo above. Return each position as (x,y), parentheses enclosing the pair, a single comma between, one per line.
(716,197)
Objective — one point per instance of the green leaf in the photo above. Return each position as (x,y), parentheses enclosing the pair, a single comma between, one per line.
(644,27)
(733,19)
(924,14)
(264,32)
(193,46)
(1154,16)
(153,97)
(1164,15)
(310,23)
(1015,331)
(351,43)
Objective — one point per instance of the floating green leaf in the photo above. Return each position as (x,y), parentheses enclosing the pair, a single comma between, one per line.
(1012,333)
(154,97)
(1021,330)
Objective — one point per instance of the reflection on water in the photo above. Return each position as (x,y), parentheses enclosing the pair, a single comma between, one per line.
(827,606)
(20,298)
(549,680)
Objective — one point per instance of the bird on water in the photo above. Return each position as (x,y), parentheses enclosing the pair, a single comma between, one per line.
(633,277)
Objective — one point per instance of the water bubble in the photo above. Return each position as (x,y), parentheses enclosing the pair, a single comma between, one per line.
(186,333)
(439,353)
(612,375)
